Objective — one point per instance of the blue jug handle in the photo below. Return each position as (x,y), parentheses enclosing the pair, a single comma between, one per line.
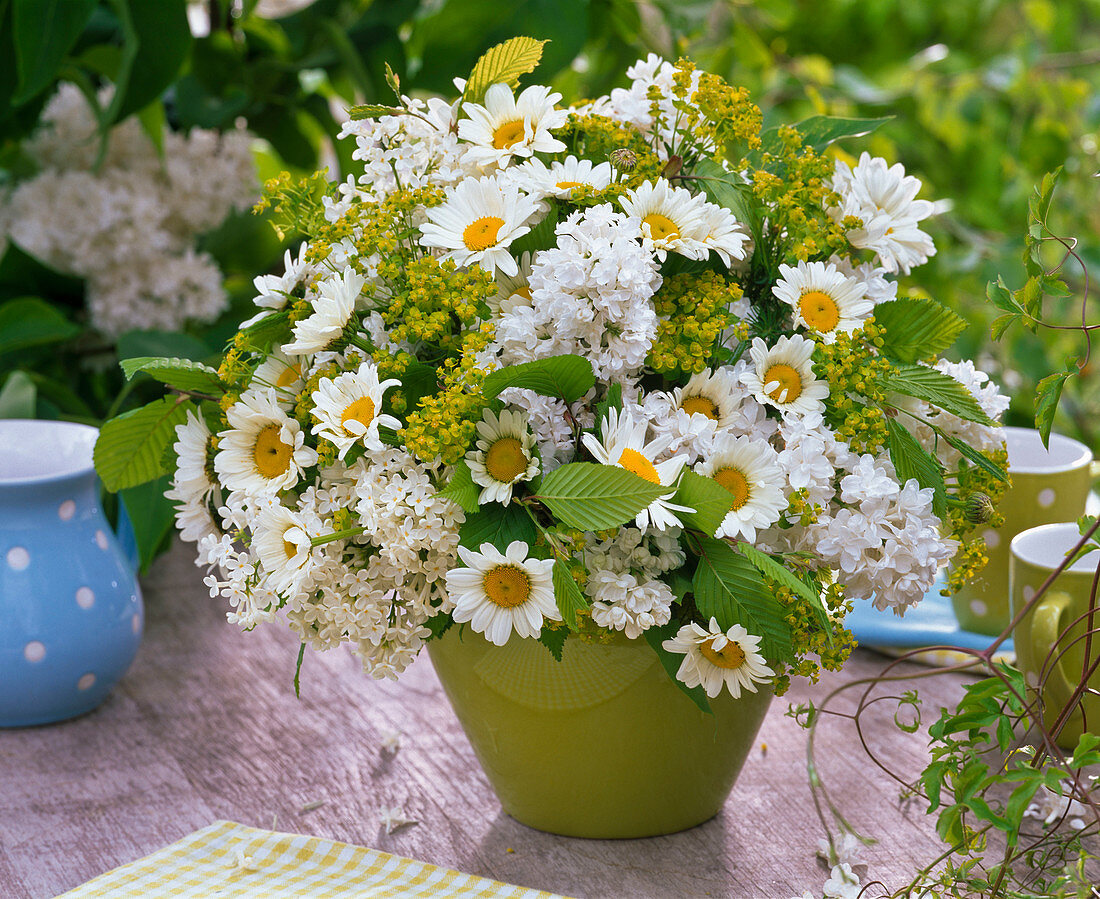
(127,540)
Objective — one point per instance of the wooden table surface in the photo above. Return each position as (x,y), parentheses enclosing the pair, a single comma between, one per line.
(206,726)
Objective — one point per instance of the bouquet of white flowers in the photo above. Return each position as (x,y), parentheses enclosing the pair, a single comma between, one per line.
(634,365)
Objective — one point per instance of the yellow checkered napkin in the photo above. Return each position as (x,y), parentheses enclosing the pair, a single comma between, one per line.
(208,864)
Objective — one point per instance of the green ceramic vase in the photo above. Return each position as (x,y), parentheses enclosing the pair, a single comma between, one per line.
(602,744)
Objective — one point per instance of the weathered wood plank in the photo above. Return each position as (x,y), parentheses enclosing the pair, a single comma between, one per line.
(206,726)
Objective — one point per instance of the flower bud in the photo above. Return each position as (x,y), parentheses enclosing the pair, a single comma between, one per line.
(979,508)
(624,160)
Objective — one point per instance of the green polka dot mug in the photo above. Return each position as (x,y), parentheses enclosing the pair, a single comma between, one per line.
(1048,486)
(1051,639)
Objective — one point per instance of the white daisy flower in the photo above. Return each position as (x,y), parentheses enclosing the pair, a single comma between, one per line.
(263,451)
(720,231)
(885,199)
(281,538)
(503,455)
(503,592)
(624,445)
(332,310)
(749,469)
(284,373)
(671,219)
(715,395)
(273,291)
(507,126)
(783,375)
(823,298)
(347,409)
(713,658)
(192,485)
(478,221)
(514,290)
(560,179)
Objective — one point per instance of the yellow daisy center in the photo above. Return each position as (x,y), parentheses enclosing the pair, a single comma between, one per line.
(788,381)
(736,483)
(271,455)
(661,227)
(362,411)
(508,133)
(568,185)
(729,656)
(635,462)
(289,548)
(482,233)
(506,460)
(290,374)
(507,585)
(819,311)
(700,405)
(524,291)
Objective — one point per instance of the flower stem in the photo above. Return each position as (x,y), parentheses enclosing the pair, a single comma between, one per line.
(336,535)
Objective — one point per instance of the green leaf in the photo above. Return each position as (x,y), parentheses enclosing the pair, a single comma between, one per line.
(151,515)
(595,497)
(183,374)
(974,455)
(461,488)
(613,400)
(1002,323)
(168,344)
(163,40)
(726,189)
(916,328)
(566,377)
(553,638)
(671,661)
(28,322)
(1001,297)
(503,64)
(933,386)
(710,500)
(439,624)
(274,328)
(374,111)
(153,123)
(567,595)
(821,130)
(775,571)
(18,398)
(729,588)
(912,461)
(1047,395)
(44,32)
(22,275)
(130,449)
(498,525)
(542,237)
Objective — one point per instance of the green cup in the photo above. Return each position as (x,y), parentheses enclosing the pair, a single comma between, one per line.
(1052,660)
(1048,486)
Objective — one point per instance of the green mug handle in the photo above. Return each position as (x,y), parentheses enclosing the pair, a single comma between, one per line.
(1046,627)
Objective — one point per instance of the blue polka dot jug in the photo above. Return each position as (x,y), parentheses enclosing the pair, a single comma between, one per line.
(71,613)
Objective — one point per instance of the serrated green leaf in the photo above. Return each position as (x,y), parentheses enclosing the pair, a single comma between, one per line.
(1000,296)
(729,588)
(912,461)
(271,329)
(130,448)
(498,525)
(966,450)
(19,396)
(553,638)
(567,595)
(916,328)
(183,374)
(28,322)
(503,64)
(461,488)
(565,377)
(772,569)
(937,388)
(1047,395)
(595,497)
(671,661)
(1002,323)
(710,500)
(374,111)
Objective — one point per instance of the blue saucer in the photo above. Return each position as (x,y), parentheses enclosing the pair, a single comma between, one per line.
(931,622)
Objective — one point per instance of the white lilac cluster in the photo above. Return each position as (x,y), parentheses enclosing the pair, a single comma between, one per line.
(590,296)
(129,224)
(317,506)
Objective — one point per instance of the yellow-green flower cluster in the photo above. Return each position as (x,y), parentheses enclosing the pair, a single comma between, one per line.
(852,368)
(796,202)
(431,302)
(295,204)
(815,648)
(971,557)
(693,310)
(595,137)
(714,113)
